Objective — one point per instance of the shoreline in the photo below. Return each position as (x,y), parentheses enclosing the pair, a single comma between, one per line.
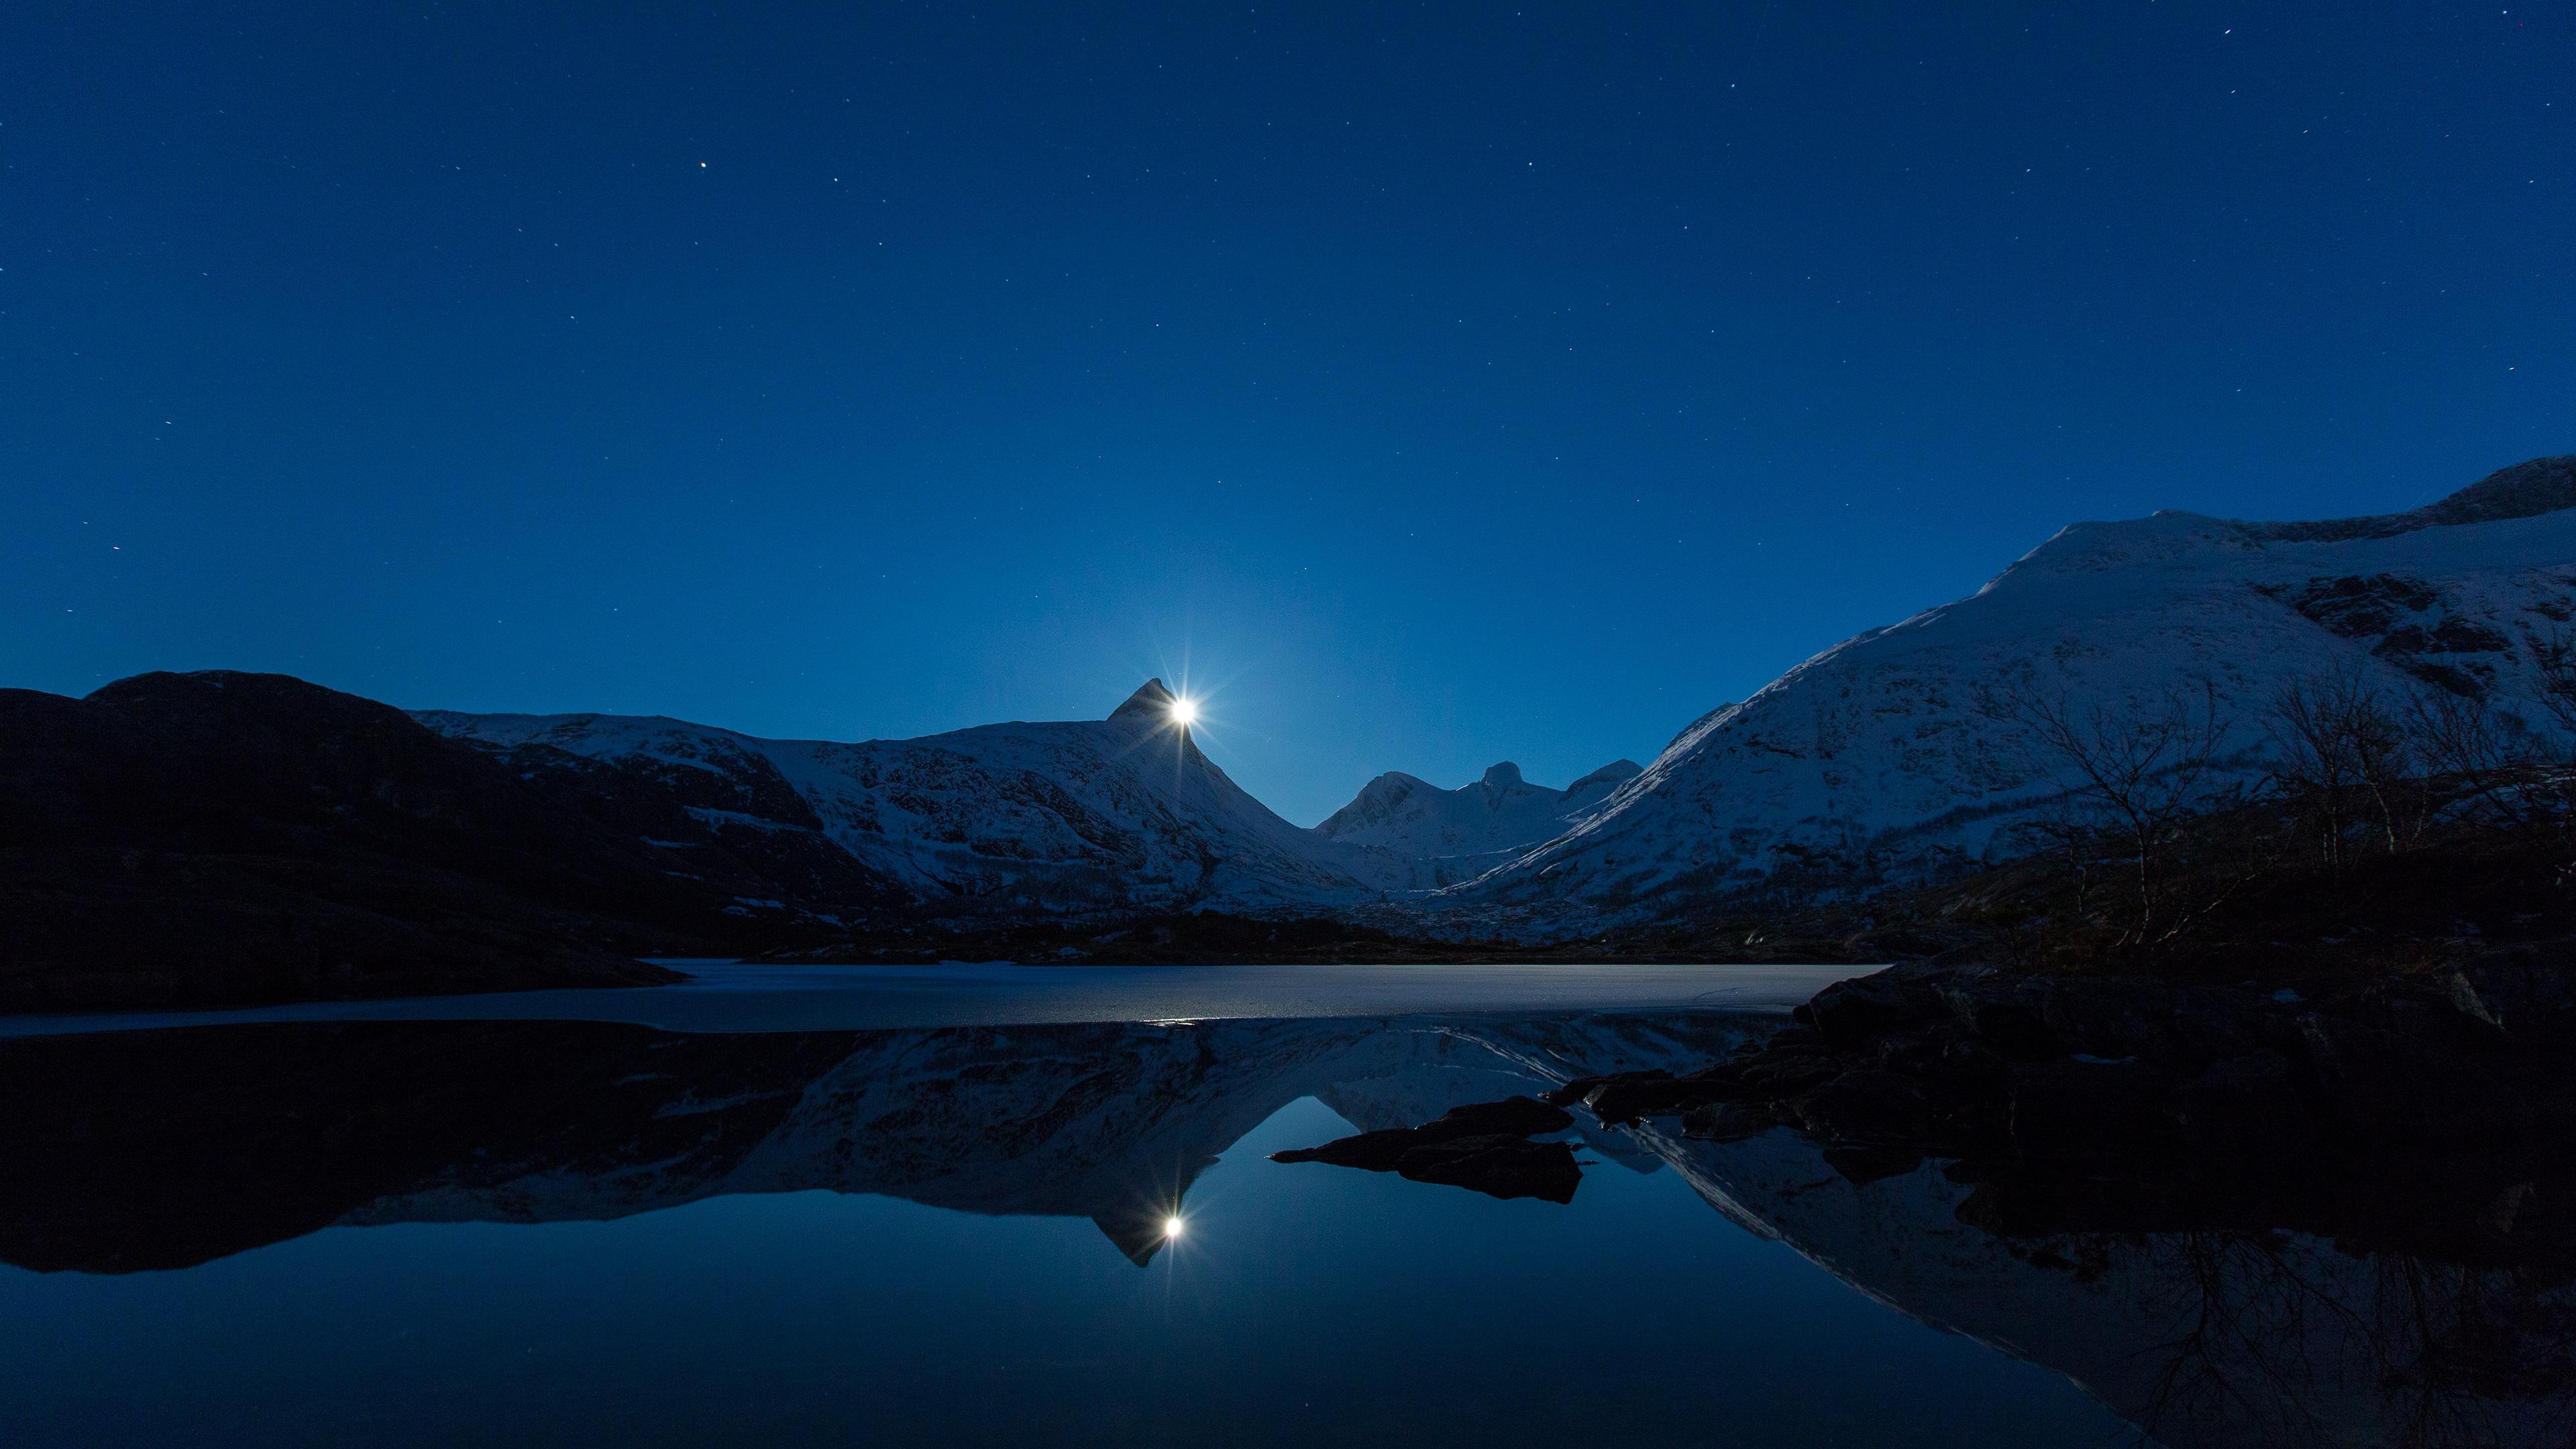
(759,996)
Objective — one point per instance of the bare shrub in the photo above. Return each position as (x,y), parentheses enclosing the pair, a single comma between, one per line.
(2554,660)
(2132,776)
(2346,758)
(2463,739)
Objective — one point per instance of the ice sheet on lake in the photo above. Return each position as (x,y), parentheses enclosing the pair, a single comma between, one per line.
(727,996)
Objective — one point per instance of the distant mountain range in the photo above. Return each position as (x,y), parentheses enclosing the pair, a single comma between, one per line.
(319,842)
(1121,814)
(1460,834)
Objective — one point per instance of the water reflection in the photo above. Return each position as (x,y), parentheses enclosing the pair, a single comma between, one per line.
(2386,1329)
(163,1150)
(143,1150)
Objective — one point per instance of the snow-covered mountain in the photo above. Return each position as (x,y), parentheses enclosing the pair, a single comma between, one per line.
(1119,814)
(1461,833)
(1873,760)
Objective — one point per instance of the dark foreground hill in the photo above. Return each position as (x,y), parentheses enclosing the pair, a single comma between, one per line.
(220,838)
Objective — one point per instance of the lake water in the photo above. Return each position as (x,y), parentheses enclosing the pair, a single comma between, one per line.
(754,1214)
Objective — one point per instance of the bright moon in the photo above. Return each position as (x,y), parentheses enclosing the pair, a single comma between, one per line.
(1171,1227)
(1184,711)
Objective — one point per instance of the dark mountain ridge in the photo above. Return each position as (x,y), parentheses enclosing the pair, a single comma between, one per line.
(226,838)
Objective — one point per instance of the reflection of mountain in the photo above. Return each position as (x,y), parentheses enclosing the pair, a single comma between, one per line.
(141,1150)
(2206,1337)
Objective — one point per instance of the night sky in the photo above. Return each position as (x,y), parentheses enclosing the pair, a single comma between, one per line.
(1430,385)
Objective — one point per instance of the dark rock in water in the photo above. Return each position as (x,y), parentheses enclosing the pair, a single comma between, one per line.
(1728,1121)
(1970,1066)
(1573,1091)
(2104,1018)
(1943,1060)
(1498,1166)
(2088,1111)
(1629,1096)
(1480,1147)
(1868,1164)
(1865,1106)
(2005,1022)
(1795,1038)
(1789,1075)
(1916,1051)
(1850,1012)
(1383,1150)
(1374,1151)
(1512,1116)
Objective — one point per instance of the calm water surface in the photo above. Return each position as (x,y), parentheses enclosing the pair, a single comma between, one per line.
(435,1231)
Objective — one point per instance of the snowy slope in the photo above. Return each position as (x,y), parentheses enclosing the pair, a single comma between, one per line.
(1872,760)
(1118,814)
(1461,833)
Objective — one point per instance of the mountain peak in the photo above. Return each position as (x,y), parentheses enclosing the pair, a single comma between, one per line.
(1503,776)
(1151,702)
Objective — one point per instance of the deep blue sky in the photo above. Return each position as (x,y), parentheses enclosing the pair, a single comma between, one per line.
(1438,384)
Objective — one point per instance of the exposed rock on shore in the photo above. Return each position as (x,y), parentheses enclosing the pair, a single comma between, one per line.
(2090,1075)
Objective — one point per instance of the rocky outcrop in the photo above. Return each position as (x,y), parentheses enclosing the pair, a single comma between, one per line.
(1483,1147)
(2092,1076)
